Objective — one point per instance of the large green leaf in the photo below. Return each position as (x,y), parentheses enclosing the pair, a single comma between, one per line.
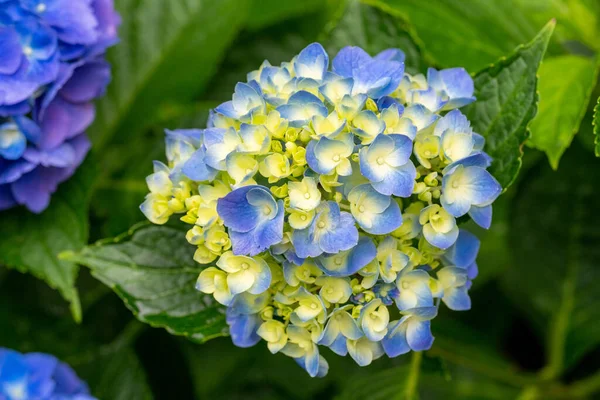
(469,34)
(374,30)
(506,104)
(152,269)
(30,243)
(577,20)
(554,237)
(168,52)
(266,12)
(565,87)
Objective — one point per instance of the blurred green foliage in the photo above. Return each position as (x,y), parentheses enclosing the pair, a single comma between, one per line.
(532,332)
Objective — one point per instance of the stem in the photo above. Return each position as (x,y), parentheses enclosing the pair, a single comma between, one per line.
(412,381)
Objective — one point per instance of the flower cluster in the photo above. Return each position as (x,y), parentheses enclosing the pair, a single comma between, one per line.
(326,201)
(38,376)
(51,68)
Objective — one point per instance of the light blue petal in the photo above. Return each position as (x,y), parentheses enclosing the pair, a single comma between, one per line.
(400,181)
(459,83)
(263,280)
(464,252)
(438,239)
(457,299)
(355,259)
(475,160)
(378,78)
(391,55)
(339,346)
(388,101)
(422,313)
(196,169)
(420,116)
(330,333)
(312,62)
(311,362)
(362,254)
(348,60)
(237,214)
(455,121)
(270,232)
(479,142)
(418,335)
(242,329)
(343,237)
(472,271)
(403,147)
(395,343)
(247,304)
(304,245)
(482,216)
(386,222)
(331,88)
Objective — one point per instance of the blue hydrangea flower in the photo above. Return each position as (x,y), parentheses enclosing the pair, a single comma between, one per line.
(467,186)
(455,84)
(439,227)
(303,191)
(51,69)
(38,376)
(411,332)
(327,156)
(375,76)
(254,219)
(364,351)
(413,290)
(331,231)
(453,282)
(348,262)
(301,108)
(376,213)
(340,326)
(246,100)
(387,165)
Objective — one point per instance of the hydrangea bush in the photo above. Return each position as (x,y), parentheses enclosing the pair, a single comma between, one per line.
(325,203)
(51,68)
(38,376)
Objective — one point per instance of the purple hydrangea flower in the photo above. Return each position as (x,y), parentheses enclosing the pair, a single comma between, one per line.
(51,69)
(38,376)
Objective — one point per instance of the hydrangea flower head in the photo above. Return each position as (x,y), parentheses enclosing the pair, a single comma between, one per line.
(51,69)
(324,203)
(38,376)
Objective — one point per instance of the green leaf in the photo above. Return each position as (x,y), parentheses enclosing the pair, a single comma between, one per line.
(576,19)
(374,30)
(554,238)
(565,87)
(267,12)
(30,243)
(169,51)
(469,34)
(152,269)
(384,385)
(115,374)
(596,124)
(506,104)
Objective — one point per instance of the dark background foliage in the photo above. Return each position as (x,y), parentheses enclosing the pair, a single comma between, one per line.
(533,332)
